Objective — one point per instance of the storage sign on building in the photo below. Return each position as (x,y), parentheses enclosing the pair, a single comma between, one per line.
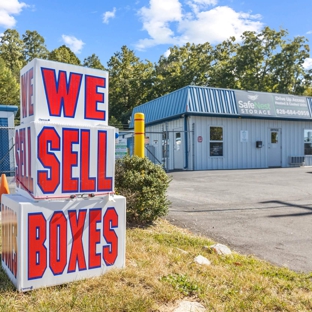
(203,128)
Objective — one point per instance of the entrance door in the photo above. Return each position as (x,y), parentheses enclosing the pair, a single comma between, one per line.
(178,149)
(274,148)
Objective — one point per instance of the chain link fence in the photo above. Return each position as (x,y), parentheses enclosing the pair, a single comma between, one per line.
(158,147)
(166,148)
(7,156)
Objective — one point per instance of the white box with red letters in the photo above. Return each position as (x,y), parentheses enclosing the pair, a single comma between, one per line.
(55,160)
(51,242)
(57,92)
(64,223)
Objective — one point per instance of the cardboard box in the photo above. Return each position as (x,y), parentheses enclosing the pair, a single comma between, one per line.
(56,160)
(55,92)
(47,243)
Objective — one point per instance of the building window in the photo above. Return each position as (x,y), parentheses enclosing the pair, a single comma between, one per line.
(274,137)
(307,142)
(216,141)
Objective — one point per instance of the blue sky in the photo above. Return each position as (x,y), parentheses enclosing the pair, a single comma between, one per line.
(150,27)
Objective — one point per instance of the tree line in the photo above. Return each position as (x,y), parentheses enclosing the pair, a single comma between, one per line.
(267,61)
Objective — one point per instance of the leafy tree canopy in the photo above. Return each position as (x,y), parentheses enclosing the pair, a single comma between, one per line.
(93,61)
(34,46)
(11,51)
(130,83)
(9,88)
(65,55)
(265,61)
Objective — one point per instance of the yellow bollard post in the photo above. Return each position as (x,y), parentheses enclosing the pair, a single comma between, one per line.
(139,134)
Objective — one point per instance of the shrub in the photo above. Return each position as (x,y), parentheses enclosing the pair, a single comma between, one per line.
(144,185)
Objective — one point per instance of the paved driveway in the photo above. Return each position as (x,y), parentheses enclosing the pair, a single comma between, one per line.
(264,212)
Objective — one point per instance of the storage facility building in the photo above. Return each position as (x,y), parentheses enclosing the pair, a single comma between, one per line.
(203,128)
(7,162)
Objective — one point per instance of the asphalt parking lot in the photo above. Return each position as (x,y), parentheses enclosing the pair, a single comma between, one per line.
(263,212)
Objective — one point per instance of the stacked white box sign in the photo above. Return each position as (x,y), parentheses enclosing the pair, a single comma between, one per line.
(63,224)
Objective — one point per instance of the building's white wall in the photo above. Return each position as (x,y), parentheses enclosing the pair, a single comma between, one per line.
(240,155)
(236,154)
(9,116)
(155,139)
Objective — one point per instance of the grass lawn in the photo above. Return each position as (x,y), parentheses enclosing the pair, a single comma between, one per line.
(160,272)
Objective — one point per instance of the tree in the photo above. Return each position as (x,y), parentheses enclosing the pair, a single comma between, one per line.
(9,88)
(34,46)
(308,90)
(93,61)
(264,61)
(130,82)
(11,51)
(289,75)
(65,55)
(115,123)
(222,72)
(186,65)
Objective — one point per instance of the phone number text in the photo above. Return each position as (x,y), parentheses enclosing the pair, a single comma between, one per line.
(292,112)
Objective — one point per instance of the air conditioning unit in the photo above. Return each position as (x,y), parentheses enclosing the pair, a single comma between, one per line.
(296,160)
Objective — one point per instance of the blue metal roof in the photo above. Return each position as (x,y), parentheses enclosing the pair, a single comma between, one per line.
(211,101)
(8,108)
(214,101)
(169,105)
(310,104)
(190,99)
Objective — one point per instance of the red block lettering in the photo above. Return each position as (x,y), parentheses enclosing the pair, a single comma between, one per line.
(77,252)
(24,96)
(87,184)
(22,160)
(37,252)
(93,97)
(48,137)
(110,221)
(58,243)
(30,183)
(4,233)
(103,183)
(94,238)
(30,92)
(27,90)
(70,160)
(18,172)
(61,94)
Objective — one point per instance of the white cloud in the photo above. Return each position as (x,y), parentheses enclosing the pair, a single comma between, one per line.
(168,22)
(73,43)
(8,8)
(307,63)
(206,2)
(167,53)
(218,24)
(108,15)
(156,21)
(309,32)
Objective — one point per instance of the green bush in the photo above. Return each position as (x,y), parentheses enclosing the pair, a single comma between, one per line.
(144,185)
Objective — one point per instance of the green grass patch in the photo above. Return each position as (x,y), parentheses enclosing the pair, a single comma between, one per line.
(160,271)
